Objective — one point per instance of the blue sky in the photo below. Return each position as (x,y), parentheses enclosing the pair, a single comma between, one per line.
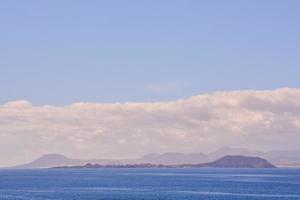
(58,52)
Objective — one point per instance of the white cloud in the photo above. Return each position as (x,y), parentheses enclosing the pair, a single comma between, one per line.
(256,119)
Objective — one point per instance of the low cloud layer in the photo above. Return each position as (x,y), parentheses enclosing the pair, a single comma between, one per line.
(261,120)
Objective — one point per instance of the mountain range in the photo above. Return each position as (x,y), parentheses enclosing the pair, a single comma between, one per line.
(224,162)
(278,158)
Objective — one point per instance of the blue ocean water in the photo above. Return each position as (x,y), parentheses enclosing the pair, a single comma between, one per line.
(152,184)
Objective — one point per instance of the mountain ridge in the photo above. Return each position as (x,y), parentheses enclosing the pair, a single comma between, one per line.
(237,161)
(278,158)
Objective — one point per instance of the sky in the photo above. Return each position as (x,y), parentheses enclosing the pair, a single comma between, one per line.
(60,58)
(60,52)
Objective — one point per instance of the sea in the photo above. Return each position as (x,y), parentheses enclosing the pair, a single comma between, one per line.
(150,184)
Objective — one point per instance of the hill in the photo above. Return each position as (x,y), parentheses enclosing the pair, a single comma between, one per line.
(55,160)
(224,162)
(238,161)
(174,158)
(278,158)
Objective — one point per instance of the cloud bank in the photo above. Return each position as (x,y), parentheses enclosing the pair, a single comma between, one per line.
(255,119)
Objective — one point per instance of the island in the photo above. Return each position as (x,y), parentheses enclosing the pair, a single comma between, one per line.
(237,162)
(231,161)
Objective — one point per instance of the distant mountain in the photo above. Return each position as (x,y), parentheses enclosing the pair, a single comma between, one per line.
(283,158)
(55,160)
(238,161)
(224,162)
(232,151)
(278,158)
(174,158)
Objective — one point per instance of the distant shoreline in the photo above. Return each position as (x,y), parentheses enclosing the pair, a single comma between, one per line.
(237,161)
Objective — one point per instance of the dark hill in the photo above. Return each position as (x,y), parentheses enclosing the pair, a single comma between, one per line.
(239,162)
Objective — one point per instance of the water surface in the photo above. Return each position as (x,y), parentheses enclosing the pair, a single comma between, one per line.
(152,184)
